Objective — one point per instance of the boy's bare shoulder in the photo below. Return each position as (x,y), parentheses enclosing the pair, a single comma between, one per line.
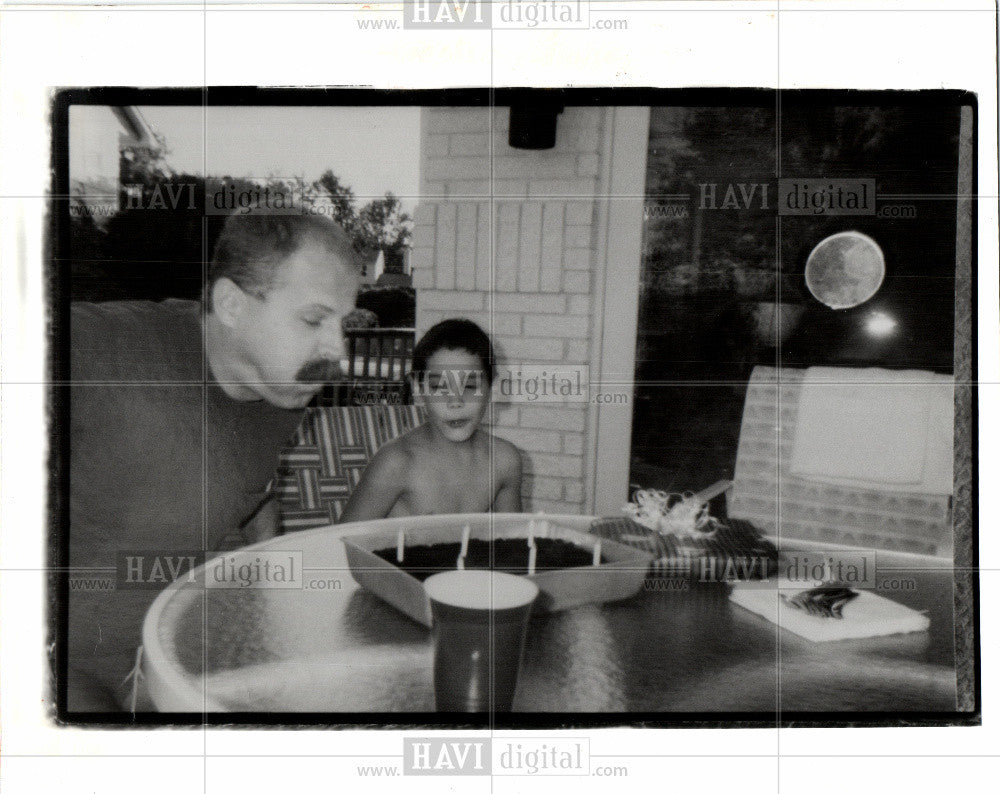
(394,457)
(505,454)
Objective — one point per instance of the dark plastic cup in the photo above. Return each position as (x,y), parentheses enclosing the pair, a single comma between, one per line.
(480,622)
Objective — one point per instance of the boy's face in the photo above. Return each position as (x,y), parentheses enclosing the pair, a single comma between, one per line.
(455,392)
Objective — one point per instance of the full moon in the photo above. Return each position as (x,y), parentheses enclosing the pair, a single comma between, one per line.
(845,270)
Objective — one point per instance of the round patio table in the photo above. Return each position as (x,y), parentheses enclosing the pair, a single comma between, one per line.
(330,646)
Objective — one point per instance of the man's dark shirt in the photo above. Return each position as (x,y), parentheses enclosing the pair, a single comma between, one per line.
(161,460)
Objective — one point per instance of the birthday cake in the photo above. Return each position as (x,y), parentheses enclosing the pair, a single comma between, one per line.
(509,555)
(570,567)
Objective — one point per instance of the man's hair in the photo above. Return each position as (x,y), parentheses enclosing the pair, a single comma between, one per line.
(455,334)
(251,247)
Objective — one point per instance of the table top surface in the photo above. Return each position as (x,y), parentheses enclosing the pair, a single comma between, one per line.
(330,646)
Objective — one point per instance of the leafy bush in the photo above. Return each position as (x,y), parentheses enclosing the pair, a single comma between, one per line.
(156,245)
(359,319)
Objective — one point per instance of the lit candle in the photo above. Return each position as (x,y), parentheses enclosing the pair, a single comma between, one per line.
(466,531)
(461,562)
(400,543)
(532,553)
(597,553)
(531,533)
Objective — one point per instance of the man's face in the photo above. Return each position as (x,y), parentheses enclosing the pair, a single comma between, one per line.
(292,337)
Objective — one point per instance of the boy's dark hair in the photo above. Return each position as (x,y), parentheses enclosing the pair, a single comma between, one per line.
(455,334)
(252,245)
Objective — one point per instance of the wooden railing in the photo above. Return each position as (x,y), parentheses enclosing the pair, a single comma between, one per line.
(378,362)
(380,353)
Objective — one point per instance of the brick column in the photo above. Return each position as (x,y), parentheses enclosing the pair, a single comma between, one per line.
(510,244)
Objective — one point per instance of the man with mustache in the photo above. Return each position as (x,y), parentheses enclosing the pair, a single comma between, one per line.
(177,414)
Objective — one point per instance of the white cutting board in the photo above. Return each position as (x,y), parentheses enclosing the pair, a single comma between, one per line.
(868,615)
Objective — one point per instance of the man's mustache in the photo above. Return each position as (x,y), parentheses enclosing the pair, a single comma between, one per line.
(319,371)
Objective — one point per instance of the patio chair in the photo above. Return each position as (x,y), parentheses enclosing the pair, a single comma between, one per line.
(330,450)
(767,497)
(798,507)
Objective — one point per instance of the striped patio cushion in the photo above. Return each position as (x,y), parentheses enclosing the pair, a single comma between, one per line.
(328,455)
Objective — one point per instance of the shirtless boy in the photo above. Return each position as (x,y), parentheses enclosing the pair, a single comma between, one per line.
(449,464)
